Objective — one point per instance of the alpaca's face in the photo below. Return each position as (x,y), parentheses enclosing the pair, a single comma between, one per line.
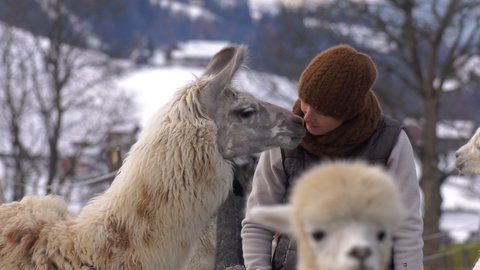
(348,245)
(342,215)
(468,156)
(245,124)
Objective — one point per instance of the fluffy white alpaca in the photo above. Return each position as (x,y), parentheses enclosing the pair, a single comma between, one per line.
(341,215)
(468,161)
(173,181)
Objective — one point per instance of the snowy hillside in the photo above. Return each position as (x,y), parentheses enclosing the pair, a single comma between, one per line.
(154,85)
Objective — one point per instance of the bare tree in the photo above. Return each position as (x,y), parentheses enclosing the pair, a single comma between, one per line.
(68,92)
(15,101)
(426,44)
(284,43)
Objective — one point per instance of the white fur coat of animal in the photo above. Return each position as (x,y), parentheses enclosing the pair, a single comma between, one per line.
(341,214)
(172,182)
(106,235)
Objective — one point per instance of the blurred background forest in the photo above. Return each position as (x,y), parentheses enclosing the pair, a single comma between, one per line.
(60,109)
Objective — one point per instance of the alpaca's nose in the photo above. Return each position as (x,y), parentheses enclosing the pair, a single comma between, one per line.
(360,253)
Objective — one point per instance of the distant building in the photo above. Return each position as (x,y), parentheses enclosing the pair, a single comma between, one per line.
(117,143)
(193,53)
(92,159)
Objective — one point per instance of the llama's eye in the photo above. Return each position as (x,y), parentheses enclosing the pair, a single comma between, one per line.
(246,113)
(381,235)
(318,235)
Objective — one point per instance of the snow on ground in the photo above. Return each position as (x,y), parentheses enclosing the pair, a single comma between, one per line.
(154,86)
(460,208)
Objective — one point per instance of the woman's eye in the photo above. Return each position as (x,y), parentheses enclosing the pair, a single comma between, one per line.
(318,235)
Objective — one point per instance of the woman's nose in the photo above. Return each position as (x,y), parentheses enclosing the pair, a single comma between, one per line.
(307,114)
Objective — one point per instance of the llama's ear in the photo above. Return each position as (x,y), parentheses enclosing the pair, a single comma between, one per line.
(227,60)
(222,67)
(275,217)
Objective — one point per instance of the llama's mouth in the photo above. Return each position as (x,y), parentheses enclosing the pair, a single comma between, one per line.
(293,135)
(459,164)
(459,167)
(298,136)
(289,141)
(297,139)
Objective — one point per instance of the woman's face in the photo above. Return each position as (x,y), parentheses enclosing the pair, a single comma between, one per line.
(317,123)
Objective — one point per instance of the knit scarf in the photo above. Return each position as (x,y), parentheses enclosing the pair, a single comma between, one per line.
(343,140)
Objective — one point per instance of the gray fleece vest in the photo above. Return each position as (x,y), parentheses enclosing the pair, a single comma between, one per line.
(376,150)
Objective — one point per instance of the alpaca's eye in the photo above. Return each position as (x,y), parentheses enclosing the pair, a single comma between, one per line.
(381,235)
(318,235)
(246,113)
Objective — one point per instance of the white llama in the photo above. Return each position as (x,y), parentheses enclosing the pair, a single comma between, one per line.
(173,181)
(468,161)
(468,155)
(341,215)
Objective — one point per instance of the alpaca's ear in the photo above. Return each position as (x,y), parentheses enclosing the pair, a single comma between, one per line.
(275,217)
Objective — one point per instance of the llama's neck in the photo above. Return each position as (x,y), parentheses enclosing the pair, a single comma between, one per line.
(171,184)
(169,168)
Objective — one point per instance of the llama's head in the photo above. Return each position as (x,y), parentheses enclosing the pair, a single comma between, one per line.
(245,124)
(468,156)
(342,216)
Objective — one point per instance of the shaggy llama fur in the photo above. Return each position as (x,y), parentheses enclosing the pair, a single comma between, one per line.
(342,215)
(173,181)
(468,155)
(468,161)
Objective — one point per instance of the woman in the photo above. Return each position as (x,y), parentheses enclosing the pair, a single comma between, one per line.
(343,120)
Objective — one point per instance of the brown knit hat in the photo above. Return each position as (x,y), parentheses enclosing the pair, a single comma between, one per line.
(337,82)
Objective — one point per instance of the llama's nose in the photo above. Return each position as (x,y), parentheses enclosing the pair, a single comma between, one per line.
(298,120)
(360,253)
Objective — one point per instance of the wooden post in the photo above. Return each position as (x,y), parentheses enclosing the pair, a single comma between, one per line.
(445,261)
(467,264)
(2,198)
(114,158)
